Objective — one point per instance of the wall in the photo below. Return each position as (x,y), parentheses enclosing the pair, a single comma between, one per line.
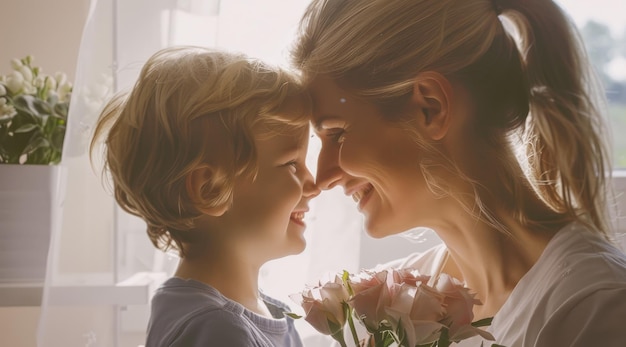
(50,31)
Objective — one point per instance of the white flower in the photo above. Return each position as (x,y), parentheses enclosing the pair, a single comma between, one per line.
(15,82)
(5,109)
(16,64)
(38,82)
(3,91)
(51,83)
(60,77)
(26,72)
(29,88)
(64,91)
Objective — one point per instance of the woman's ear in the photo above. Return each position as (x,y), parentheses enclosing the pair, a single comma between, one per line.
(432,96)
(200,180)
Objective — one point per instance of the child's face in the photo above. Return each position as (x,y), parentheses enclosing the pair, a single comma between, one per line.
(269,210)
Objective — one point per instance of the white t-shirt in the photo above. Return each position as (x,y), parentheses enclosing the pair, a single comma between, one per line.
(574,296)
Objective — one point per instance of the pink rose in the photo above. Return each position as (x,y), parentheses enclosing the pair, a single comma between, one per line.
(323,306)
(415,312)
(409,276)
(371,297)
(459,303)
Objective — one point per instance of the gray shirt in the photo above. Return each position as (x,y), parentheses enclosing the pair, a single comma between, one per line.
(188,313)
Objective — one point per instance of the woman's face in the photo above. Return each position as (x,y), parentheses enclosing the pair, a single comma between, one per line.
(374,160)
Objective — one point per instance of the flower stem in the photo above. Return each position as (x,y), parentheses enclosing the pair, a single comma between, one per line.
(352,328)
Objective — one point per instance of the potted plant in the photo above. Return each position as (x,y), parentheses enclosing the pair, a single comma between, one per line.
(33,115)
(33,119)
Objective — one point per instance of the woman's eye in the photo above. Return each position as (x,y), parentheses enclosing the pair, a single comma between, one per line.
(337,135)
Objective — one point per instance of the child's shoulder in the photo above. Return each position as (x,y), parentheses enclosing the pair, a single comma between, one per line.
(202,327)
(190,313)
(276,307)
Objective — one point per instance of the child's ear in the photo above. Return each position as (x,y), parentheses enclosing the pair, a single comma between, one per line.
(197,183)
(432,95)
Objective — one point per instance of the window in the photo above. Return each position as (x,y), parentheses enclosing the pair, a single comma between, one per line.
(603,30)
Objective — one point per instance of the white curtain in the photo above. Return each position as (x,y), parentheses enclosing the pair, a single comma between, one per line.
(102,269)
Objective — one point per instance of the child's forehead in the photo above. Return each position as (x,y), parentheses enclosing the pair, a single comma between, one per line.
(286,133)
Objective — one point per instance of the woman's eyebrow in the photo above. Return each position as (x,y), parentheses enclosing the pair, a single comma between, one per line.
(327,122)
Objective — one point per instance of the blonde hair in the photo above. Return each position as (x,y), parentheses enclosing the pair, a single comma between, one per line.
(532,82)
(191,106)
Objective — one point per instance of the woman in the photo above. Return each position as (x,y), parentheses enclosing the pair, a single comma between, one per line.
(431,114)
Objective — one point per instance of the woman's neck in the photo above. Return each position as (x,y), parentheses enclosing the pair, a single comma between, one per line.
(492,261)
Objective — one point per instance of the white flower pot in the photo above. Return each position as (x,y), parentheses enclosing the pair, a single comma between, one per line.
(29,199)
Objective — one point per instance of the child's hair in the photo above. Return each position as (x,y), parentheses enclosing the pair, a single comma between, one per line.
(191,107)
(538,86)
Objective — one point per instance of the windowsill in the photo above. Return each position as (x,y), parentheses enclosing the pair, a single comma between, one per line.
(134,291)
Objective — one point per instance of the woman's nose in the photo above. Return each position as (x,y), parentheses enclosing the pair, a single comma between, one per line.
(310,189)
(329,174)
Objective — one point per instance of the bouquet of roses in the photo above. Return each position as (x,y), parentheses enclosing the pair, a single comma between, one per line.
(395,307)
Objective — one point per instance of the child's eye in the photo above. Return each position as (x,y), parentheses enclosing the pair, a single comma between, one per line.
(292,165)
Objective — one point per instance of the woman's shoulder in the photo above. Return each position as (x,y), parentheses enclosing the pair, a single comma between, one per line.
(580,255)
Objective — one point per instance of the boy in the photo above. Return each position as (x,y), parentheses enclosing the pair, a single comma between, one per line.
(209,149)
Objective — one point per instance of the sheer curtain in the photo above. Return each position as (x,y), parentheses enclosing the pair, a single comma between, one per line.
(102,269)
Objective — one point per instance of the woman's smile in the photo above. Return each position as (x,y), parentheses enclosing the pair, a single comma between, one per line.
(362,196)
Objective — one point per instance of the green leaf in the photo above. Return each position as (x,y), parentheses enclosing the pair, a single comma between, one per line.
(401,333)
(346,281)
(483,322)
(389,338)
(42,106)
(444,339)
(25,128)
(57,137)
(496,345)
(60,111)
(53,99)
(292,315)
(26,104)
(35,145)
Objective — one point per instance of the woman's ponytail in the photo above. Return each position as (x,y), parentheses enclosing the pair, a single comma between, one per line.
(567,155)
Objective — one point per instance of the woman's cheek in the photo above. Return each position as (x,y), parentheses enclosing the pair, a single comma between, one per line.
(351,156)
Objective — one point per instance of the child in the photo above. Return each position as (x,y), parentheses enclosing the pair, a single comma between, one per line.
(209,149)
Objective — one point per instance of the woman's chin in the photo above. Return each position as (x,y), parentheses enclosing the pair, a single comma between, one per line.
(379,230)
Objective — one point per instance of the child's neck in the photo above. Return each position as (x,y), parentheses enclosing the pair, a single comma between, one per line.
(230,274)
